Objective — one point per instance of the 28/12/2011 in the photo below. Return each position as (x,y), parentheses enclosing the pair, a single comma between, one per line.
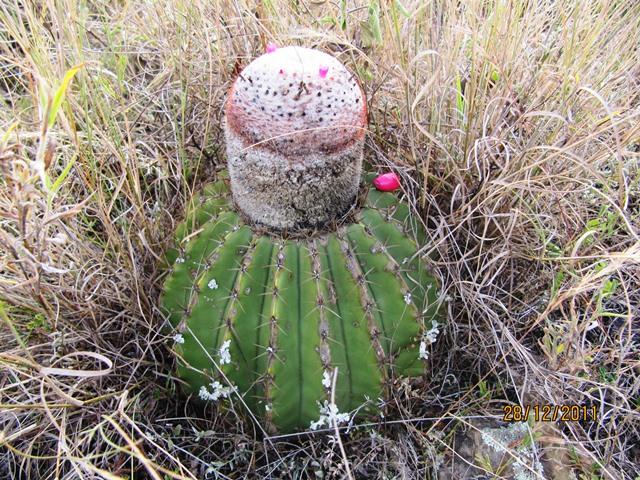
(549,413)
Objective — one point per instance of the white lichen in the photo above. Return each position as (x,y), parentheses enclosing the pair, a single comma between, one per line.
(432,335)
(329,416)
(223,354)
(525,464)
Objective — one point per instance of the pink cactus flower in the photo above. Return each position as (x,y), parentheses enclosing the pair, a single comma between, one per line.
(323,71)
(271,47)
(387,182)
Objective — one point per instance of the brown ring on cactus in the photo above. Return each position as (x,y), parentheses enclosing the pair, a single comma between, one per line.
(295,121)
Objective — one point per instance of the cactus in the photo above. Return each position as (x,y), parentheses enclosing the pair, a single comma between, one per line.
(271,315)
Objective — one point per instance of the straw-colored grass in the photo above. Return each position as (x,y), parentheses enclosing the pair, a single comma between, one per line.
(516,127)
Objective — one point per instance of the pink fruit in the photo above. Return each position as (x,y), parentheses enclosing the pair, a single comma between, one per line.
(387,182)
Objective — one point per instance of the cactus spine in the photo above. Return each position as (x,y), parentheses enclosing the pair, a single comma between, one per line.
(276,316)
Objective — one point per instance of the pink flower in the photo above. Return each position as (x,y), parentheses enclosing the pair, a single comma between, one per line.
(387,182)
(271,47)
(323,71)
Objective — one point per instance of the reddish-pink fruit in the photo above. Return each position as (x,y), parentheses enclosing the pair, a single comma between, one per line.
(387,182)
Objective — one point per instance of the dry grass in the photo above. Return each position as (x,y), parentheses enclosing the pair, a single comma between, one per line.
(516,125)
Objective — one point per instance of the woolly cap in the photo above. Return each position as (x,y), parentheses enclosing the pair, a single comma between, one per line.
(295,125)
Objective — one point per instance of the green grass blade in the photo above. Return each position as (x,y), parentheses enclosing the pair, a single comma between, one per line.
(60,94)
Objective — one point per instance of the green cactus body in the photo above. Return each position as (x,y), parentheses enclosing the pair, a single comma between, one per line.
(274,317)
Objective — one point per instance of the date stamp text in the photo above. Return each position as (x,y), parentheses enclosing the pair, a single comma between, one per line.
(549,413)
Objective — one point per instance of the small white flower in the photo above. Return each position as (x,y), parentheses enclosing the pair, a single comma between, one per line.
(218,390)
(329,415)
(432,335)
(179,260)
(213,285)
(424,355)
(326,379)
(178,338)
(407,298)
(428,338)
(225,356)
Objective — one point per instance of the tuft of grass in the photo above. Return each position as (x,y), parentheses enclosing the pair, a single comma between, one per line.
(515,125)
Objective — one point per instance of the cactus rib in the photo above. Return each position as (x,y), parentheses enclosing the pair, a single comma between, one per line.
(249,322)
(297,370)
(359,373)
